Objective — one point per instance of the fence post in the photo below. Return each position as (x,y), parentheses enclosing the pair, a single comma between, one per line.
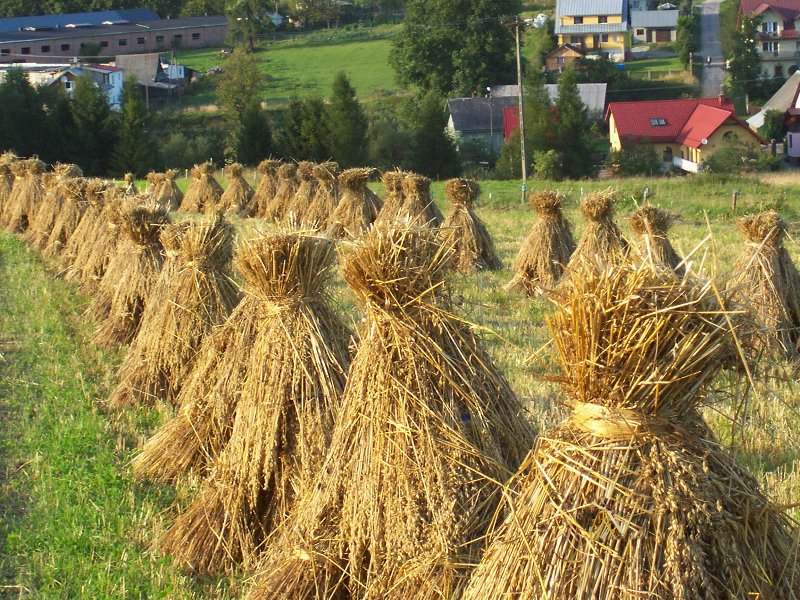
(734,200)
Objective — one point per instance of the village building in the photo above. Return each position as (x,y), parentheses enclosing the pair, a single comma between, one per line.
(778,42)
(597,27)
(562,57)
(654,26)
(42,38)
(787,101)
(684,132)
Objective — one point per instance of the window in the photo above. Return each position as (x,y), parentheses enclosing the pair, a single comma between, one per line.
(140,40)
(64,47)
(159,39)
(578,20)
(602,19)
(104,44)
(177,37)
(778,70)
(769,27)
(560,60)
(123,42)
(640,32)
(658,122)
(604,37)
(666,155)
(575,39)
(5,51)
(195,36)
(770,47)
(45,49)
(616,38)
(25,50)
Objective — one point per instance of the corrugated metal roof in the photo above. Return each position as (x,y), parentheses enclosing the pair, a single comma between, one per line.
(593,95)
(91,18)
(159,25)
(471,115)
(788,96)
(654,18)
(583,8)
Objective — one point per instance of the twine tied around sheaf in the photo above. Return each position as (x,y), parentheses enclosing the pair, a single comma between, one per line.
(618,423)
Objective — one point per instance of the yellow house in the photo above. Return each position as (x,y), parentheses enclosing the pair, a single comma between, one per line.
(684,132)
(594,27)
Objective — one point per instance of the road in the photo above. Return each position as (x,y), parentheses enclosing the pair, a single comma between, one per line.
(713,75)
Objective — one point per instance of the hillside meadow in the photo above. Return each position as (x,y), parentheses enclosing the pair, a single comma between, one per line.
(74,524)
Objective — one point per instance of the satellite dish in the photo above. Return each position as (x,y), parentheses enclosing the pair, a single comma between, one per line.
(704,141)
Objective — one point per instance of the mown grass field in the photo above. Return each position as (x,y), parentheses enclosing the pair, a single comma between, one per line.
(74,524)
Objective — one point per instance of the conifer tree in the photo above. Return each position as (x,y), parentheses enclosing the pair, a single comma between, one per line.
(347,125)
(94,127)
(573,130)
(135,151)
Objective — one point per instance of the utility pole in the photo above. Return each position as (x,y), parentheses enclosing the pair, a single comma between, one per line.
(522,153)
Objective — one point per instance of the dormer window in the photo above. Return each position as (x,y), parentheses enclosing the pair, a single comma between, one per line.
(658,122)
(578,20)
(602,19)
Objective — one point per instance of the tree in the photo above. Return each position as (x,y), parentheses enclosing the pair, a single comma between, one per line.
(238,93)
(744,64)
(317,11)
(434,152)
(304,133)
(687,36)
(636,160)
(773,128)
(21,115)
(390,140)
(574,138)
(254,142)
(135,151)
(246,20)
(94,127)
(347,125)
(58,125)
(455,46)
(200,8)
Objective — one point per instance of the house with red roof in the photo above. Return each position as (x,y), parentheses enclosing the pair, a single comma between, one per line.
(778,42)
(684,132)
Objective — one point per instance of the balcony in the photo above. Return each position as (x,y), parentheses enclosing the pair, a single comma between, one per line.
(779,55)
(686,165)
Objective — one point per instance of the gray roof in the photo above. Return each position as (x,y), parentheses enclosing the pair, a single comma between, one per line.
(593,95)
(788,96)
(654,18)
(592,28)
(92,18)
(119,29)
(584,8)
(471,115)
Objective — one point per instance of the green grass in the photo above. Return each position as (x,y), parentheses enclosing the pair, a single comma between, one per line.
(654,65)
(75,525)
(306,66)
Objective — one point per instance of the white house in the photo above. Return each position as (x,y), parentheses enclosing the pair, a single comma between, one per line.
(108,78)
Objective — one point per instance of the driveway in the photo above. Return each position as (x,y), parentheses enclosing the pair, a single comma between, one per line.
(714,74)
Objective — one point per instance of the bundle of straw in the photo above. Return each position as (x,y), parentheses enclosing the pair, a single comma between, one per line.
(297,208)
(266,188)
(129,184)
(6,183)
(546,250)
(275,209)
(69,217)
(203,192)
(632,497)
(194,292)
(154,183)
(474,248)
(325,198)
(130,275)
(766,280)
(651,225)
(427,429)
(87,251)
(417,202)
(168,194)
(358,205)
(236,199)
(602,242)
(393,200)
(51,205)
(26,195)
(207,401)
(289,397)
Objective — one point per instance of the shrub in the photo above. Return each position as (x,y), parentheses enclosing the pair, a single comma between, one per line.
(635,160)
(547,165)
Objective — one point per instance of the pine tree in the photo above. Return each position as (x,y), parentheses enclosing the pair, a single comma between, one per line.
(304,133)
(574,139)
(135,151)
(238,93)
(255,137)
(347,125)
(94,127)
(21,115)
(435,152)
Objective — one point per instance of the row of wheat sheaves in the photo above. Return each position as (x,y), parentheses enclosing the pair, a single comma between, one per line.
(396,461)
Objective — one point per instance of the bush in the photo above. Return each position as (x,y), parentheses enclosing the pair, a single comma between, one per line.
(547,165)
(633,161)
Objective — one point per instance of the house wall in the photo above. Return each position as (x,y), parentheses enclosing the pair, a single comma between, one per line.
(647,35)
(591,19)
(615,43)
(139,42)
(779,57)
(552,62)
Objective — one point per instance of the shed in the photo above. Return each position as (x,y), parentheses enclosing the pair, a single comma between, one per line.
(654,26)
